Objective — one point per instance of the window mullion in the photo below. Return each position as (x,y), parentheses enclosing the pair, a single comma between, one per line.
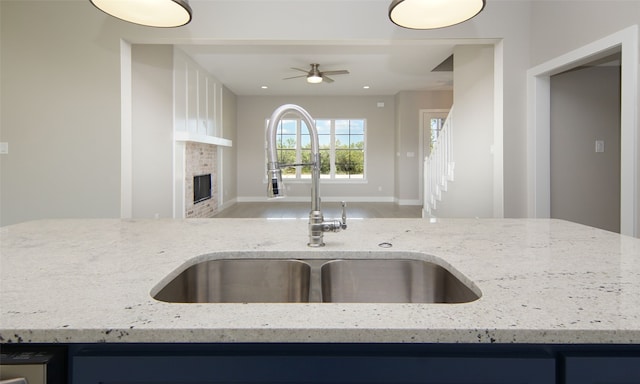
(332,151)
(298,148)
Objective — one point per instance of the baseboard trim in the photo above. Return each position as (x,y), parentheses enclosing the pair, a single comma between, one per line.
(300,199)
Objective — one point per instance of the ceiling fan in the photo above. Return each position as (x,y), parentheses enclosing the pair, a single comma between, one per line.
(314,75)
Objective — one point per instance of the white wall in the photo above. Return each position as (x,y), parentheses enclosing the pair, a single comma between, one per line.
(252,112)
(152,131)
(471,194)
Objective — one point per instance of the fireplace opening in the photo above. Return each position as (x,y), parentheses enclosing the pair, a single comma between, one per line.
(201,188)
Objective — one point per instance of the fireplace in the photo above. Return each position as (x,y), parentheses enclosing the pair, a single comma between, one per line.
(201,188)
(200,180)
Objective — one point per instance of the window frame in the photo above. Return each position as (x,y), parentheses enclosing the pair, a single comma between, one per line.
(331,179)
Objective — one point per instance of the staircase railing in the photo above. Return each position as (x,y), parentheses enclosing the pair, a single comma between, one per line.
(439,166)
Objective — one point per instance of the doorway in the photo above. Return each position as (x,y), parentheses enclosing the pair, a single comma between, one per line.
(538,124)
(585,144)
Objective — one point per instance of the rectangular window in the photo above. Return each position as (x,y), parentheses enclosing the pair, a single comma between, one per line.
(341,144)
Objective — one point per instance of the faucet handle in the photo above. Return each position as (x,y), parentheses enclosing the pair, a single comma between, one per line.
(343,224)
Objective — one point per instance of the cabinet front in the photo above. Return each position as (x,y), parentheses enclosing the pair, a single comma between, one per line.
(311,369)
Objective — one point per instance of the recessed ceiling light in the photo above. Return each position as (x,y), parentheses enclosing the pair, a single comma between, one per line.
(366,87)
(264,87)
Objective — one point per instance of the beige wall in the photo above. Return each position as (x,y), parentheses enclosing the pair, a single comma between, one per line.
(152,131)
(60,114)
(252,112)
(228,155)
(408,140)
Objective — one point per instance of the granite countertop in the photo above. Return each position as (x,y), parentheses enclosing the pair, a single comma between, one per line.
(542,281)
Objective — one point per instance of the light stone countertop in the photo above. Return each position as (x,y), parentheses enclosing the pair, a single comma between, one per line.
(542,281)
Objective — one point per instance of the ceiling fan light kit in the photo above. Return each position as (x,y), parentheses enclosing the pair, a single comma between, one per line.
(314,79)
(315,76)
(432,14)
(151,13)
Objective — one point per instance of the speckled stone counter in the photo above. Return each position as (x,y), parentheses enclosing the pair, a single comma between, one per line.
(542,281)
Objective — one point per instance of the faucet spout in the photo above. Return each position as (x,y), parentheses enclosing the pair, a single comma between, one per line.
(317,225)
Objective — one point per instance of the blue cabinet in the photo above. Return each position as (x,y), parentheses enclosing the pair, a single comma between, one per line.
(311,364)
(621,369)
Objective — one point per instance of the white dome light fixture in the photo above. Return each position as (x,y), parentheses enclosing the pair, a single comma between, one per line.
(314,77)
(432,14)
(151,13)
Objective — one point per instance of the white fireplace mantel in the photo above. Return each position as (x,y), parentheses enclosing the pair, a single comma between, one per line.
(198,138)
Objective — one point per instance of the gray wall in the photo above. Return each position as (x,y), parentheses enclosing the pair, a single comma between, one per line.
(408,140)
(585,185)
(152,131)
(252,112)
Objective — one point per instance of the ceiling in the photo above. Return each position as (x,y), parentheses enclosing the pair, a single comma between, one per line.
(386,67)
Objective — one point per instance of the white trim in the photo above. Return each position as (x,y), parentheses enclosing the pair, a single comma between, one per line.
(198,138)
(538,124)
(498,129)
(126,131)
(227,204)
(408,202)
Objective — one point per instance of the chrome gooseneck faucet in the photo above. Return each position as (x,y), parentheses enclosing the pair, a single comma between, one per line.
(317,225)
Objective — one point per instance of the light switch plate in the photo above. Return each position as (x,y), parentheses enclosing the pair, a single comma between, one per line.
(4,148)
(599,146)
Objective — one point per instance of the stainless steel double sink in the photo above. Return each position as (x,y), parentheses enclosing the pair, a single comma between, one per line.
(398,277)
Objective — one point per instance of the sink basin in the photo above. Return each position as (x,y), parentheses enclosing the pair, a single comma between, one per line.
(391,281)
(295,277)
(240,281)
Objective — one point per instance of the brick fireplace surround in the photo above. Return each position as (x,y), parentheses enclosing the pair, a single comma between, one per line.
(200,159)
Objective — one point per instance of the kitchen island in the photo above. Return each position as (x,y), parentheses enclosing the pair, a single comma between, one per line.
(540,282)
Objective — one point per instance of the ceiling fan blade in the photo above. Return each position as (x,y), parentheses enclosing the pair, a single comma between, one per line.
(294,77)
(327,79)
(338,72)
(301,70)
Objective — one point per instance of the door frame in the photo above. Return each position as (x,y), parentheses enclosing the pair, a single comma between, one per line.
(539,125)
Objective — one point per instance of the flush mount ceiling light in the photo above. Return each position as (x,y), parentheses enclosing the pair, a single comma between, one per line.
(314,76)
(314,79)
(431,14)
(151,13)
